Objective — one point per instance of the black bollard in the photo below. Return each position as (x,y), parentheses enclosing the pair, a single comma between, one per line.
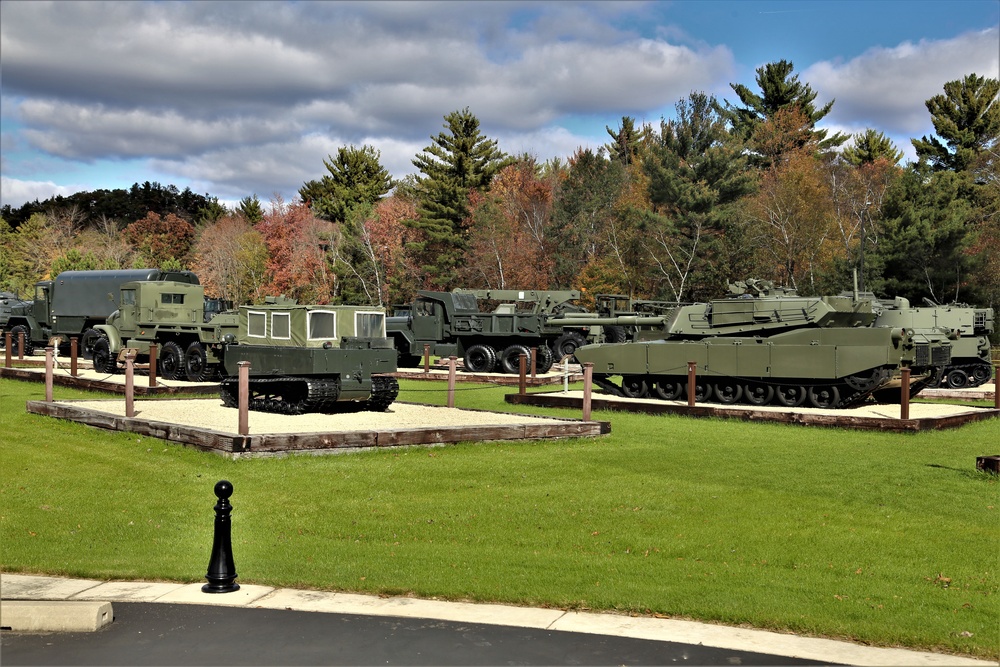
(221,569)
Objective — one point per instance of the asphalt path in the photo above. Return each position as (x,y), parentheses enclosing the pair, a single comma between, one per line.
(185,634)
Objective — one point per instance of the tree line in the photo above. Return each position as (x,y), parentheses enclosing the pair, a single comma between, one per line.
(722,191)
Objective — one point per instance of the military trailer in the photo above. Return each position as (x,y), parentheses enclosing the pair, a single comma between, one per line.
(771,346)
(311,359)
(452,323)
(172,315)
(74,303)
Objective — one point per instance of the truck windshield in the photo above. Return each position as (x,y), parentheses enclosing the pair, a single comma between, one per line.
(128,297)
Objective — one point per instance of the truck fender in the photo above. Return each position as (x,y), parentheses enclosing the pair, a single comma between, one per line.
(114,339)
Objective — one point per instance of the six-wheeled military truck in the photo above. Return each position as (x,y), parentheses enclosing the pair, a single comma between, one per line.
(74,303)
(8,301)
(311,359)
(172,315)
(452,323)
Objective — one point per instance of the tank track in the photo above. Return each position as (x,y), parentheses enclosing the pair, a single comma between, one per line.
(296,396)
(978,373)
(384,391)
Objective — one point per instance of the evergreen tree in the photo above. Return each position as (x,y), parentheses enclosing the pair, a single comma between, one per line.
(356,177)
(628,141)
(251,210)
(967,117)
(458,161)
(871,146)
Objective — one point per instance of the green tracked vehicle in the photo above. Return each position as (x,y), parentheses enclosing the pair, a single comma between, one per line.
(311,359)
(767,345)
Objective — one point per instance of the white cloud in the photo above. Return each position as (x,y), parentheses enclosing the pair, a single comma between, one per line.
(16,192)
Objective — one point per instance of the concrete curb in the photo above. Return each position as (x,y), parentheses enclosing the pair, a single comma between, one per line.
(54,616)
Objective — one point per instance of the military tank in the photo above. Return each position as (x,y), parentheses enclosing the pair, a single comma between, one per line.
(311,359)
(766,345)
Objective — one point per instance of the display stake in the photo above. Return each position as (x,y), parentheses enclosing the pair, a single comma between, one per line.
(20,345)
(427,357)
(451,380)
(152,364)
(534,361)
(692,373)
(522,383)
(588,376)
(6,350)
(244,397)
(221,567)
(129,384)
(48,374)
(904,393)
(996,381)
(74,351)
(566,374)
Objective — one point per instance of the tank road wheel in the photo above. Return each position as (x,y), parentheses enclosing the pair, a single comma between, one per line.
(480,358)
(544,359)
(758,393)
(981,374)
(15,338)
(956,378)
(635,386)
(510,358)
(790,395)
(669,388)
(727,391)
(168,362)
(196,363)
(702,391)
(104,361)
(566,345)
(824,396)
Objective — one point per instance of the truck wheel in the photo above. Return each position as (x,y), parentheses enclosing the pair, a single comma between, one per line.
(566,345)
(544,359)
(480,358)
(196,363)
(15,338)
(510,358)
(615,334)
(87,342)
(104,361)
(168,364)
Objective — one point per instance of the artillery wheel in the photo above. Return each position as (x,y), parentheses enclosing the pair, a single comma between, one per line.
(510,358)
(669,388)
(727,391)
(87,342)
(480,358)
(635,386)
(791,395)
(702,391)
(758,393)
(544,359)
(196,363)
(104,361)
(566,345)
(15,339)
(168,364)
(824,396)
(956,378)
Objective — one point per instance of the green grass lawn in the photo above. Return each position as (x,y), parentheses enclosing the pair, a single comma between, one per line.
(884,538)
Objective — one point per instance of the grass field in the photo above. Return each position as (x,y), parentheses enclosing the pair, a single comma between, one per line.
(888,539)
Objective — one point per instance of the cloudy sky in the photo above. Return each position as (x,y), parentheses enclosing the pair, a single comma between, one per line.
(241,98)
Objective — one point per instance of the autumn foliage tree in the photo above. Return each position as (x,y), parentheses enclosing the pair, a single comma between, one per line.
(231,260)
(159,240)
(298,244)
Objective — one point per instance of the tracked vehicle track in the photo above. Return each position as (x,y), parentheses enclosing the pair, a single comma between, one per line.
(296,395)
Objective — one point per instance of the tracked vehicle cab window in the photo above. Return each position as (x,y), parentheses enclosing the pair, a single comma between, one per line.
(281,327)
(369,325)
(256,324)
(322,324)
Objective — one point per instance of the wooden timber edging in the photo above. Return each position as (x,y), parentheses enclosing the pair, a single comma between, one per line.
(486,378)
(271,444)
(558,400)
(140,387)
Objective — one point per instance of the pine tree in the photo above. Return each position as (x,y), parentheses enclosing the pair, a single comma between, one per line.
(356,178)
(628,141)
(967,117)
(871,146)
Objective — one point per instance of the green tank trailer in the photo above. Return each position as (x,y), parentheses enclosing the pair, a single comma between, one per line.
(971,364)
(766,345)
(76,302)
(452,323)
(311,359)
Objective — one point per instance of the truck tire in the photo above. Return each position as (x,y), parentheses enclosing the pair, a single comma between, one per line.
(168,363)
(544,360)
(510,358)
(615,334)
(15,339)
(196,363)
(104,361)
(566,345)
(87,341)
(480,359)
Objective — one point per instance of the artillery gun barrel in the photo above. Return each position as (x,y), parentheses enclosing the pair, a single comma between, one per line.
(580,320)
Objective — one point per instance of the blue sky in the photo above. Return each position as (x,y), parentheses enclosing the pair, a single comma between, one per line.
(233,99)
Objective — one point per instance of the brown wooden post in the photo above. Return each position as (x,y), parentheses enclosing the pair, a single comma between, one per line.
(20,345)
(74,352)
(996,381)
(129,385)
(588,377)
(692,374)
(152,364)
(522,383)
(451,380)
(6,350)
(904,394)
(48,374)
(244,399)
(534,361)
(427,357)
